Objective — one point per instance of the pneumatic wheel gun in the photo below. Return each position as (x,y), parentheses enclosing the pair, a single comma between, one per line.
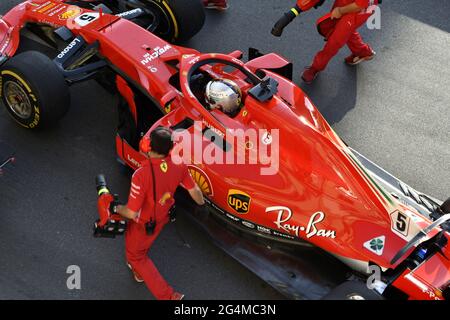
(109,223)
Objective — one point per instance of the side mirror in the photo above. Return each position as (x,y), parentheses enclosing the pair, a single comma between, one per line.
(265,90)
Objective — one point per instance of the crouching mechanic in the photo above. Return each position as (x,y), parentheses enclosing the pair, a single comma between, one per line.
(349,16)
(151,197)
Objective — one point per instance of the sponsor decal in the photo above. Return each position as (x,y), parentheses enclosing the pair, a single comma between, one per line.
(133,161)
(248,224)
(239,201)
(216,207)
(263,229)
(284,215)
(68,48)
(283,235)
(131,12)
(433,294)
(202,180)
(233,217)
(5,45)
(213,129)
(376,245)
(212,204)
(87,18)
(45,7)
(164,167)
(194,61)
(55,11)
(12,76)
(72,12)
(237,61)
(156,53)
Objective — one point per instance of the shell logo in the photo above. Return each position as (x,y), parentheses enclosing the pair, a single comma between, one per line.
(71,13)
(202,180)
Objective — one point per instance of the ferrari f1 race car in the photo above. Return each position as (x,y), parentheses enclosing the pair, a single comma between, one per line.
(306,202)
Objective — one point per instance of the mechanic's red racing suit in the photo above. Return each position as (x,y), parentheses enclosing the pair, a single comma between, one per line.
(141,199)
(344,31)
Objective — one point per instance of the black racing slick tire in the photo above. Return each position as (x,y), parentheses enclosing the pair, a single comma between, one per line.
(352,290)
(33,90)
(180,20)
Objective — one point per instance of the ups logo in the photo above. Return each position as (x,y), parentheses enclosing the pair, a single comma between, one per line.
(239,201)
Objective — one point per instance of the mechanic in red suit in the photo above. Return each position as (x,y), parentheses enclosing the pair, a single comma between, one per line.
(216,4)
(157,179)
(350,15)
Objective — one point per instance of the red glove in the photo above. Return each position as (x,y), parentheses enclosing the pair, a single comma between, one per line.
(103,206)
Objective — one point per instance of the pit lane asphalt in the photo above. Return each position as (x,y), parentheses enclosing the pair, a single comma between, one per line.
(394,110)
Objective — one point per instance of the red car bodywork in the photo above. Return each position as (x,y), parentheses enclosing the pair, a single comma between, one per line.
(321,194)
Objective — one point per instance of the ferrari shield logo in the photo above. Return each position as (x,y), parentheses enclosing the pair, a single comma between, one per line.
(376,245)
(164,167)
(239,201)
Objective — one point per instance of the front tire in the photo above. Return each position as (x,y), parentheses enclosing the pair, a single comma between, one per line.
(33,90)
(180,20)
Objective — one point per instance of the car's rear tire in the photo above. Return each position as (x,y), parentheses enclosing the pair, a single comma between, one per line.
(352,290)
(181,19)
(33,90)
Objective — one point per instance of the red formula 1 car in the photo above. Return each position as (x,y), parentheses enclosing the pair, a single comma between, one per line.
(311,216)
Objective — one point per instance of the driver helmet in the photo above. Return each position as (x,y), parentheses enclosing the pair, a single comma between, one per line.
(225,95)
